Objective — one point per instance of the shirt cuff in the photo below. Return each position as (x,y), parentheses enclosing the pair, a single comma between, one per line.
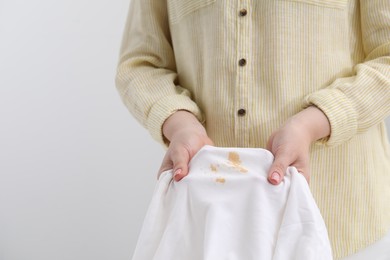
(164,108)
(340,112)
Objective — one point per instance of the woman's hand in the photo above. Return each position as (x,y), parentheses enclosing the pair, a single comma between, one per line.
(187,136)
(291,143)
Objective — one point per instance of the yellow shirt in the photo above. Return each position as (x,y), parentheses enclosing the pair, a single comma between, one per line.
(244,66)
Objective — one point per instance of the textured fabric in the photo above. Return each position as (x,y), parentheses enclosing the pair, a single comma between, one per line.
(334,54)
(225,209)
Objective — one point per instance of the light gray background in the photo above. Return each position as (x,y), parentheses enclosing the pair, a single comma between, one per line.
(76,171)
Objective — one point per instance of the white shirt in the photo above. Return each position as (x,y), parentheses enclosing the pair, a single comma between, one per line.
(225,209)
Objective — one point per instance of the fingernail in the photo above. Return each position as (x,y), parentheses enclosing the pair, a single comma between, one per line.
(178,171)
(275,177)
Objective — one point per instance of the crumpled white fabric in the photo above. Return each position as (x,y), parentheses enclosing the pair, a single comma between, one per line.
(225,209)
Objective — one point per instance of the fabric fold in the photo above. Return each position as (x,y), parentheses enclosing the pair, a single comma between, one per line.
(225,209)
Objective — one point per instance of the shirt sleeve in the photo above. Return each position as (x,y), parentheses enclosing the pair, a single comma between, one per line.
(146,76)
(354,104)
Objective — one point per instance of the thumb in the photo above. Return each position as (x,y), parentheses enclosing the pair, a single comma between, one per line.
(277,169)
(180,159)
(165,165)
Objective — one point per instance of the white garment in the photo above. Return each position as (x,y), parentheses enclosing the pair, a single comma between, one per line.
(225,209)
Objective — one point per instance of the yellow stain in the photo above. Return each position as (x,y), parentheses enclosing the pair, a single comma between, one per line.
(220,180)
(234,159)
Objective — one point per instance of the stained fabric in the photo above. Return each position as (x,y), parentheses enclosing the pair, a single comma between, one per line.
(225,209)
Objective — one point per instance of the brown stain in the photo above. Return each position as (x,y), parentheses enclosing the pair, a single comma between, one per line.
(234,159)
(220,180)
(242,169)
(213,168)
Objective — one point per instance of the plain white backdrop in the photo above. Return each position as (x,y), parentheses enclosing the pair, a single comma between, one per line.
(76,170)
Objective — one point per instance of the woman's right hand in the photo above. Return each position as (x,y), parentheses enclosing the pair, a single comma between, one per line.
(187,136)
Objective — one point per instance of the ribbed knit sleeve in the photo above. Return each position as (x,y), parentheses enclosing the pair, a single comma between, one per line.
(146,74)
(356,103)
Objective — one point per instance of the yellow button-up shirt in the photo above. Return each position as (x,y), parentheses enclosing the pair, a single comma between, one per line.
(244,66)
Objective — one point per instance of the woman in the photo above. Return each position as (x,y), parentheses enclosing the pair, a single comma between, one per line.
(307,79)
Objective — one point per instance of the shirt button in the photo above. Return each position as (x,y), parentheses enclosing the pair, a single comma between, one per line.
(241,112)
(242,62)
(243,12)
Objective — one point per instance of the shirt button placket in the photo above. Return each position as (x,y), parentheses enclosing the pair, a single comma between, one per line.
(242,77)
(242,61)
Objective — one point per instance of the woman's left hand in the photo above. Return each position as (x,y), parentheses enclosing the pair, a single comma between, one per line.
(290,144)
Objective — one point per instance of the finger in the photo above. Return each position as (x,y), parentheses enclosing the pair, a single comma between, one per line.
(277,169)
(180,159)
(165,165)
(303,167)
(270,141)
(305,172)
(307,177)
